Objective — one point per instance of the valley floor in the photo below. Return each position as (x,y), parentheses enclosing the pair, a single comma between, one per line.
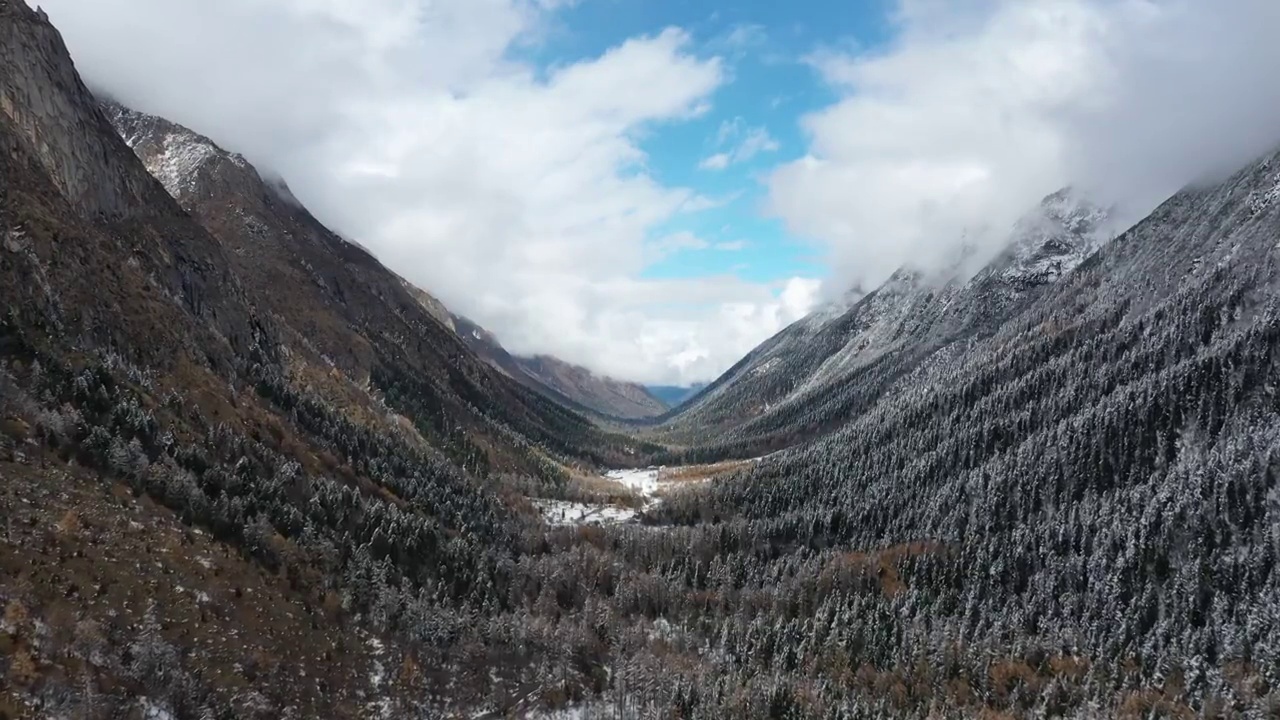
(641,488)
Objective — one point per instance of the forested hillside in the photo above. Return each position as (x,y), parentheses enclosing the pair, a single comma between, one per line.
(248,473)
(814,375)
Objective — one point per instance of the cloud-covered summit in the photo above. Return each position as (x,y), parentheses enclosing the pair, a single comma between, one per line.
(976,110)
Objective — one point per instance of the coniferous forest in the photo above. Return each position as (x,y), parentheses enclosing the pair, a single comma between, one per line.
(246,472)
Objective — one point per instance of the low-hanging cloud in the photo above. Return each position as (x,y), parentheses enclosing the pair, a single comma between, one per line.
(977,110)
(517,194)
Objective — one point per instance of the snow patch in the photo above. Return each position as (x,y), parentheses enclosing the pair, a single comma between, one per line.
(643,481)
(563,512)
(380,707)
(152,710)
(177,165)
(1260,200)
(766,366)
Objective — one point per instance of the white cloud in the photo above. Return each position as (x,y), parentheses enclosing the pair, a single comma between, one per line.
(673,244)
(519,195)
(732,245)
(718,161)
(746,35)
(738,143)
(978,110)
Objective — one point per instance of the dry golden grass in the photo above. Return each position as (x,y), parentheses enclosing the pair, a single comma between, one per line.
(23,671)
(1007,675)
(593,488)
(1142,704)
(69,524)
(878,566)
(698,473)
(127,554)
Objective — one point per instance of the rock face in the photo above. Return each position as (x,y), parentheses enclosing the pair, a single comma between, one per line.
(46,103)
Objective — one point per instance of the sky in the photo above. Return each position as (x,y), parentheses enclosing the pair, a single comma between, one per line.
(650,188)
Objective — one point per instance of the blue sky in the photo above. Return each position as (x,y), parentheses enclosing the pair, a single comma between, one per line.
(765,45)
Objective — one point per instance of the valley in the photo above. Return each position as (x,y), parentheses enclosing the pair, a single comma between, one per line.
(248,471)
(636,491)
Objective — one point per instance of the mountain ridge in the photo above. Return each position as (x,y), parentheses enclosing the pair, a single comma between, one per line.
(913,310)
(177,156)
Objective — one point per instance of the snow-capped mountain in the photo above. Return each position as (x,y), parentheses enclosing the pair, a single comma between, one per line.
(914,312)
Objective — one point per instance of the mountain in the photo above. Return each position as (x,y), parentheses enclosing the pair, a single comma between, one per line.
(198,376)
(247,473)
(674,395)
(575,386)
(1060,514)
(786,389)
(353,326)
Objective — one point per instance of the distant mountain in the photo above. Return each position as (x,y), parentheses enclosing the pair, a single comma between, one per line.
(782,390)
(674,395)
(605,395)
(575,385)
(570,384)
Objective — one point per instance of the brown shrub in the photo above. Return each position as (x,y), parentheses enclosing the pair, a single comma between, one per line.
(23,671)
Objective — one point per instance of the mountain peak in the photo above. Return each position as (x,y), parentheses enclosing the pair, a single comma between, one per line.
(1064,229)
(173,154)
(57,118)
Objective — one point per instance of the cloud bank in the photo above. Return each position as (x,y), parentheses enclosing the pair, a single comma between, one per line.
(517,194)
(979,109)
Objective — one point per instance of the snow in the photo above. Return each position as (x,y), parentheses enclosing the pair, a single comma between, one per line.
(1260,200)
(154,711)
(579,712)
(380,707)
(1064,231)
(643,481)
(563,512)
(181,159)
(766,366)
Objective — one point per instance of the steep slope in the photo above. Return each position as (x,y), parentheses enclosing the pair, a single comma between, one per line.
(271,232)
(575,386)
(126,347)
(783,390)
(355,325)
(1048,491)
(231,378)
(1073,515)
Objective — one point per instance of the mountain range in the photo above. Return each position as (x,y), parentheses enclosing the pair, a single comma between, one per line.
(249,471)
(674,395)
